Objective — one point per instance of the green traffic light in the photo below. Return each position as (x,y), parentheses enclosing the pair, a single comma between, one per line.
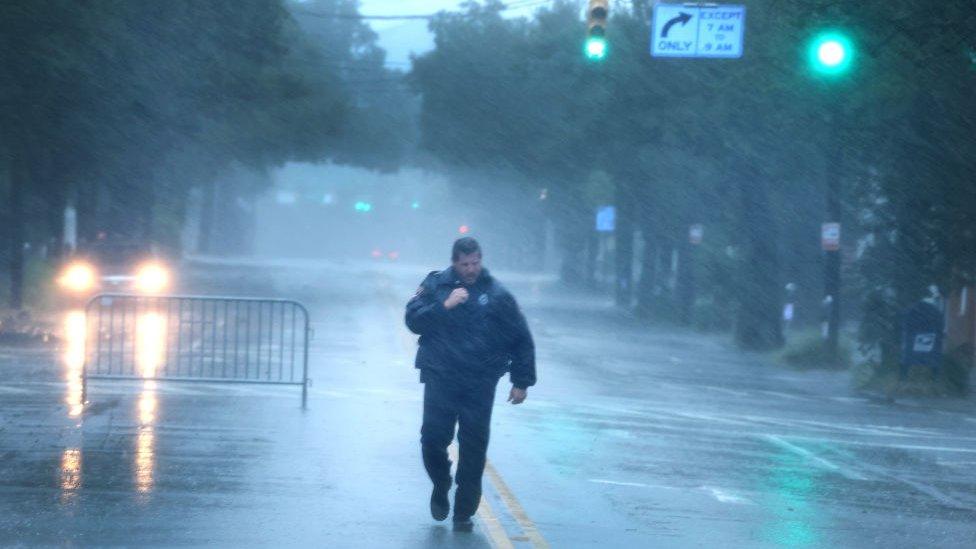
(831,53)
(595,48)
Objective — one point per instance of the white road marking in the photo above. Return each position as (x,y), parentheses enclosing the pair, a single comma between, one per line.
(16,390)
(922,487)
(814,458)
(717,493)
(724,390)
(633,484)
(963,464)
(884,445)
(787,396)
(725,497)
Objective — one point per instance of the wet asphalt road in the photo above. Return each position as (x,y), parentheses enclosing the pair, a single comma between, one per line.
(635,437)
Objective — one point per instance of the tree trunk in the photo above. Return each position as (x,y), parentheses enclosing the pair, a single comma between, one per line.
(15,253)
(592,248)
(758,325)
(87,194)
(624,244)
(55,220)
(685,290)
(205,238)
(624,258)
(648,280)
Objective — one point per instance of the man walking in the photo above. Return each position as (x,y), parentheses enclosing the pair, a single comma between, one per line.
(471,332)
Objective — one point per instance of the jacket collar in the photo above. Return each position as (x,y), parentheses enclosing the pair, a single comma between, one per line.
(448,277)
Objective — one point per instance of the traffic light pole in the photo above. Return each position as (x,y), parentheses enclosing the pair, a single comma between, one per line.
(832,262)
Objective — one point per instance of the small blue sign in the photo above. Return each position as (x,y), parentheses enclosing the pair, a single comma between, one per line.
(698,31)
(606,219)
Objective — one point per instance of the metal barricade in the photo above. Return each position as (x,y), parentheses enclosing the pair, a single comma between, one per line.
(191,338)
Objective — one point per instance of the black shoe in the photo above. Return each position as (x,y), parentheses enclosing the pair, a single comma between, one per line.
(440,505)
(463,524)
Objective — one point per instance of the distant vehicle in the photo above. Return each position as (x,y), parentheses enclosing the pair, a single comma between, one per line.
(388,254)
(115,265)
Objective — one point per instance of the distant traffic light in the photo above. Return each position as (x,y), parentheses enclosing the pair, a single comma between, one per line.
(595,47)
(464,229)
(831,53)
(415,205)
(363,206)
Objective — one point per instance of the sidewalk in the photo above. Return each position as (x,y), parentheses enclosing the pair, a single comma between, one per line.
(25,326)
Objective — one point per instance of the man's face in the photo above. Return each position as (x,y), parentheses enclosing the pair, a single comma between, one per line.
(468,267)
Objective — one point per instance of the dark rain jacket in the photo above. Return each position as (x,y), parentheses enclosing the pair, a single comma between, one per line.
(483,337)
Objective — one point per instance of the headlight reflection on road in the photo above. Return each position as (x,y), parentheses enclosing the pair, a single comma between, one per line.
(145,459)
(147,403)
(74,360)
(145,454)
(70,474)
(150,349)
(150,342)
(789,492)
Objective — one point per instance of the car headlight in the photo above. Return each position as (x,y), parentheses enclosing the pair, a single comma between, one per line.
(152,278)
(78,277)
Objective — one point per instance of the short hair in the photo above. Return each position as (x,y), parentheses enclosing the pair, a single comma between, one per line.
(464,246)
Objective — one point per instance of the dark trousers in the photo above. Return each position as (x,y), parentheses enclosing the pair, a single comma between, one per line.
(466,403)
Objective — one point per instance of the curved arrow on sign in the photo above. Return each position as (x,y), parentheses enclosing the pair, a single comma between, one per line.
(682,18)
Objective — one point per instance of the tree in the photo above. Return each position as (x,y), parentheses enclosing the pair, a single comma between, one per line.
(124,108)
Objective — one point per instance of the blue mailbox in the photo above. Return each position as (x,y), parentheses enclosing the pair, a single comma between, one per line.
(923,328)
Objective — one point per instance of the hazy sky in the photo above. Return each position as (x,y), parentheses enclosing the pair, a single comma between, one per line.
(400,38)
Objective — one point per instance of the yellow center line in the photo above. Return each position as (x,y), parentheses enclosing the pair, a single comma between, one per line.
(528,527)
(496,532)
(492,525)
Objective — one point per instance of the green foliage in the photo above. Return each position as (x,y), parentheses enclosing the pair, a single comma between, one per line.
(744,147)
(809,351)
(953,379)
(710,314)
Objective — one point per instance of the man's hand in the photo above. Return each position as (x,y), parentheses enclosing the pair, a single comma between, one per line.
(517,396)
(457,297)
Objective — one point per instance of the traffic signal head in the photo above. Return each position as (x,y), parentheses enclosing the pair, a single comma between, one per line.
(597,10)
(595,47)
(830,53)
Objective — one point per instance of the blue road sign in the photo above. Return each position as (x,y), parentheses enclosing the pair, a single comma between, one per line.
(606,219)
(698,31)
